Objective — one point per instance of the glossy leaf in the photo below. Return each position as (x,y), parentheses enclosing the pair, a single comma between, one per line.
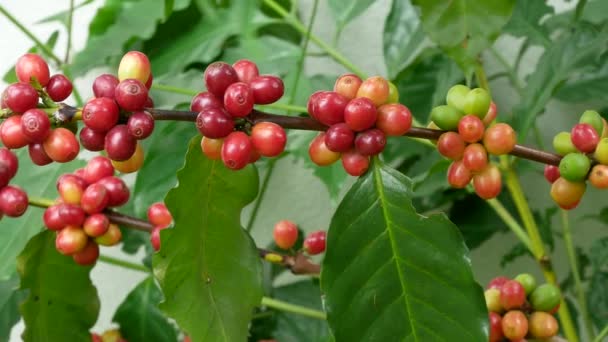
(526,22)
(403,36)
(385,263)
(62,304)
(10,297)
(139,317)
(345,11)
(208,267)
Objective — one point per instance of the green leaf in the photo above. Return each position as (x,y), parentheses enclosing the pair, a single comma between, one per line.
(571,53)
(385,263)
(403,36)
(480,227)
(11,77)
(62,304)
(139,317)
(36,181)
(345,11)
(525,22)
(464,28)
(10,297)
(208,267)
(599,254)
(597,298)
(516,251)
(590,85)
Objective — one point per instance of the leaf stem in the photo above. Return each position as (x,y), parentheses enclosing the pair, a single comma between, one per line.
(602,334)
(580,292)
(296,309)
(68,47)
(123,263)
(40,202)
(258,202)
(510,221)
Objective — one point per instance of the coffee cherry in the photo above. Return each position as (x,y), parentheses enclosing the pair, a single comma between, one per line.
(71,214)
(319,153)
(339,138)
(496,334)
(119,144)
(562,144)
(13,201)
(458,175)
(370,142)
(285,234)
(491,114)
(315,242)
(475,157)
(268,139)
(512,295)
(131,95)
(313,100)
(456,96)
(497,282)
(567,194)
(97,168)
(12,134)
(360,114)
(543,325)
(488,183)
(514,325)
(105,85)
(117,190)
(238,99)
(599,176)
(59,88)
(52,218)
(499,139)
(20,97)
(134,65)
(594,119)
(61,145)
(96,225)
(92,140)
(70,240)
(394,119)
(159,215)
(354,163)
(140,125)
(212,148)
(70,188)
(527,281)
(100,114)
(393,93)
(94,199)
(347,85)
(471,128)
(545,297)
(111,237)
(329,107)
(451,145)
(155,238)
(35,125)
(601,151)
(267,89)
(205,100)
(214,123)
(236,150)
(574,167)
(218,76)
(477,102)
(246,70)
(8,166)
(376,89)
(446,117)
(584,137)
(88,255)
(31,66)
(132,164)
(492,297)
(551,173)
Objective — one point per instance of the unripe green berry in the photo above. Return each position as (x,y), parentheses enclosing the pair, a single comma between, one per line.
(477,102)
(601,152)
(594,119)
(574,167)
(456,96)
(393,93)
(563,144)
(527,281)
(446,117)
(545,297)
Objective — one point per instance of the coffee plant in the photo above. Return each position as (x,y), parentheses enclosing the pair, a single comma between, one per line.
(274,202)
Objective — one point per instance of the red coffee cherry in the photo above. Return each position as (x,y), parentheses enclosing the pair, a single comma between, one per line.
(488,183)
(31,66)
(499,139)
(328,107)
(285,234)
(96,225)
(92,140)
(52,219)
(238,99)
(59,88)
(132,164)
(212,148)
(61,145)
(131,95)
(313,100)
(514,325)
(512,295)
(105,85)
(218,76)
(319,153)
(155,237)
(236,150)
(214,122)
(339,138)
(117,190)
(475,157)
(347,85)
(267,89)
(70,188)
(370,142)
(471,128)
(13,201)
(496,334)
(451,145)
(119,143)
(458,175)
(100,114)
(354,163)
(11,133)
(8,166)
(111,237)
(584,137)
(551,173)
(140,125)
(394,119)
(205,100)
(497,282)
(375,88)
(94,199)
(315,242)
(71,240)
(246,70)
(360,114)
(97,168)
(20,97)
(88,255)
(159,215)
(71,214)
(35,125)
(268,139)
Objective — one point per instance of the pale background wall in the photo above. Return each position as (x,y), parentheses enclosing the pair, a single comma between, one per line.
(114,283)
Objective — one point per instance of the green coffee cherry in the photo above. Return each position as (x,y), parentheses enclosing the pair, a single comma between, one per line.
(601,152)
(456,96)
(545,297)
(527,281)
(393,93)
(574,167)
(594,119)
(446,117)
(563,144)
(477,102)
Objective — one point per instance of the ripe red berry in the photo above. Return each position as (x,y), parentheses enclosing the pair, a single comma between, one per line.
(375,88)
(347,85)
(20,97)
(71,214)
(394,119)
(13,201)
(218,76)
(551,173)
(134,65)
(212,148)
(488,183)
(92,140)
(140,125)
(370,142)
(100,114)
(131,95)
(285,234)
(339,138)
(475,157)
(59,88)
(499,139)
(205,100)
(132,164)
(88,255)
(451,145)
(111,237)
(458,175)
(496,334)
(238,99)
(354,163)
(159,215)
(313,100)
(61,145)
(315,242)
(96,225)
(497,282)
(328,108)
(512,295)
(70,240)
(471,128)
(35,125)
(514,325)
(268,139)
(236,150)
(360,114)
(246,70)
(155,237)
(11,133)
(105,85)
(119,143)
(267,89)
(31,66)
(97,168)
(52,219)
(584,137)
(70,188)
(319,153)
(8,166)
(95,199)
(117,190)
(214,123)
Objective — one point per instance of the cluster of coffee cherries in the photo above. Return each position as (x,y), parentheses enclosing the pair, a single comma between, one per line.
(29,125)
(471,138)
(79,216)
(518,308)
(585,157)
(160,217)
(115,119)
(360,115)
(13,200)
(232,91)
(285,235)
